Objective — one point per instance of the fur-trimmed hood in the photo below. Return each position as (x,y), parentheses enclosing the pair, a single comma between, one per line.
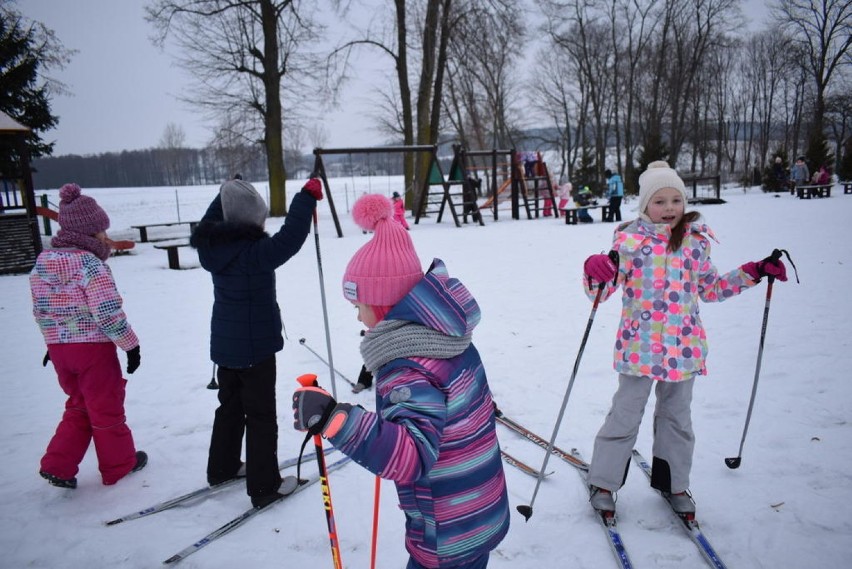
(218,242)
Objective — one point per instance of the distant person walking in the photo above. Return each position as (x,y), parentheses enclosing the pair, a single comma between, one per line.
(615,193)
(79,311)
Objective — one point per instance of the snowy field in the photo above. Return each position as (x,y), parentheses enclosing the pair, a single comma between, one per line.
(782,508)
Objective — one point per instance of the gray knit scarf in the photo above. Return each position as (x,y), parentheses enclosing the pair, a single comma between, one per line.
(391,339)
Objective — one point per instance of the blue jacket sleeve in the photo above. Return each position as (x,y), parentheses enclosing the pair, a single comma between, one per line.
(277,250)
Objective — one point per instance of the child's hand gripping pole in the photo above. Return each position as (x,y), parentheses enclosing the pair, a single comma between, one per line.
(309,384)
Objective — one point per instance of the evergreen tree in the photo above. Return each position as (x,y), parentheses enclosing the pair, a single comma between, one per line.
(844,168)
(584,174)
(26,51)
(777,174)
(654,149)
(818,153)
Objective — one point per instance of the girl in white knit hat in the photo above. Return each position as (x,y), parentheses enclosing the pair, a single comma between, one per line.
(664,269)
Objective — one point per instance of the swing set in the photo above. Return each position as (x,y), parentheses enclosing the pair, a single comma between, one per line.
(462,186)
(435,177)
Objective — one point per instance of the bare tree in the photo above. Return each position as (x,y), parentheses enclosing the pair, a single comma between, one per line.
(823,31)
(632,24)
(584,34)
(555,93)
(247,56)
(172,142)
(482,92)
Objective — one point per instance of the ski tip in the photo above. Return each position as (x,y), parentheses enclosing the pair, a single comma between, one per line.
(525,511)
(733,463)
(113,522)
(172,559)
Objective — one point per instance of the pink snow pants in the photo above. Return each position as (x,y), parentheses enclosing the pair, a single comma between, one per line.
(90,374)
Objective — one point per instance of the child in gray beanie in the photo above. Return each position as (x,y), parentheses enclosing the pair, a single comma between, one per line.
(245,330)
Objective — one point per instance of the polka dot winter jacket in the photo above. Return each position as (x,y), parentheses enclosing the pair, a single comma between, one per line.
(660,335)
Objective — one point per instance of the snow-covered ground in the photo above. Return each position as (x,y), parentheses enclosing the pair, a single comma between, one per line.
(779,509)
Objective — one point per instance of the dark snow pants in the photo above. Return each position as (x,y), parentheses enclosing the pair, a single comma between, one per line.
(246,405)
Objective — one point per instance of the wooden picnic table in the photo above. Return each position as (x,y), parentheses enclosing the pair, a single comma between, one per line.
(143,229)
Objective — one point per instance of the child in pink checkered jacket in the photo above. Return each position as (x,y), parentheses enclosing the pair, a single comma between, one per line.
(78,309)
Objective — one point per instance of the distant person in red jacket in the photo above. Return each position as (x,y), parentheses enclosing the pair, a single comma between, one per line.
(399,210)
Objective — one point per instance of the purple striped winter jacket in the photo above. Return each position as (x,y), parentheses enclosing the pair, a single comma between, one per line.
(434,434)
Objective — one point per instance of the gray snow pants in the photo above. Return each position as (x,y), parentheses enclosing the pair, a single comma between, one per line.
(674,440)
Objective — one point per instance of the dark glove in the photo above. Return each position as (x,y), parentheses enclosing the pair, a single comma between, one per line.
(45,359)
(316,411)
(600,267)
(768,267)
(133,360)
(313,187)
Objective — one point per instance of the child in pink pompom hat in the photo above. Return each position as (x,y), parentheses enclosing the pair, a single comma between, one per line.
(386,267)
(433,432)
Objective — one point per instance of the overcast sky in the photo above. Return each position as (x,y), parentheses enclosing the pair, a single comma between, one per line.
(123,89)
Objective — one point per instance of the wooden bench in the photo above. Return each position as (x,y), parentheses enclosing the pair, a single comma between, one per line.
(571,217)
(143,229)
(847,187)
(171,249)
(815,191)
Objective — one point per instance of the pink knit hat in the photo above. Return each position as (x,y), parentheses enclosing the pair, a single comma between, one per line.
(386,268)
(80,213)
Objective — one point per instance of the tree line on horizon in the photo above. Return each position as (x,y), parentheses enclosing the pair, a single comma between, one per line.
(615,84)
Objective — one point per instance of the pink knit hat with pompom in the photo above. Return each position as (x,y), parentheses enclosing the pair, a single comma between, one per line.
(386,268)
(80,213)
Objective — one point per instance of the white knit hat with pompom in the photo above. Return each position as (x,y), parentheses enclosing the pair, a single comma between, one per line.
(658,176)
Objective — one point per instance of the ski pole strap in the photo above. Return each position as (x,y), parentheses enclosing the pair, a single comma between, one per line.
(308,437)
(776,255)
(613,256)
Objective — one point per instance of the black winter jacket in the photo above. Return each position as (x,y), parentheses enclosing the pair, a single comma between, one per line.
(245,328)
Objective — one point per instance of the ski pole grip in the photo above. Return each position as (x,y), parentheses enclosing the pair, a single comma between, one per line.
(307,380)
(613,256)
(776,254)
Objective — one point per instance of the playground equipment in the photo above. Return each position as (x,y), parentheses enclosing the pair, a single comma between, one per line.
(20,242)
(422,202)
(530,186)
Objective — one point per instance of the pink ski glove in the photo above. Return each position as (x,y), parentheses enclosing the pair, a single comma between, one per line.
(766,268)
(600,268)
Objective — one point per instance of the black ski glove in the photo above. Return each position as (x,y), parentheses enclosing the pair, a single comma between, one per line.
(133,360)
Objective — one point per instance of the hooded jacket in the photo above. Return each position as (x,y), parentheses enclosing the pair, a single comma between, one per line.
(434,430)
(245,327)
(615,187)
(661,335)
(75,300)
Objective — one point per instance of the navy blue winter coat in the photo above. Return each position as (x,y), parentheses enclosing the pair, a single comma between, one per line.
(245,328)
